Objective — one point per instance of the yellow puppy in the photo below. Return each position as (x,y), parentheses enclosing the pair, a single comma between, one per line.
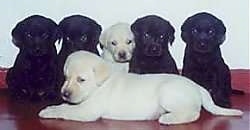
(100,93)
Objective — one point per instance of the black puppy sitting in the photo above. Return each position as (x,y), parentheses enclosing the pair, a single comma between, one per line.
(78,33)
(151,54)
(33,75)
(203,34)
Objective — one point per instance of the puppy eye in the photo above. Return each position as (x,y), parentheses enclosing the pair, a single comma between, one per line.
(146,35)
(194,31)
(80,79)
(67,38)
(210,31)
(113,43)
(83,38)
(161,36)
(129,42)
(29,35)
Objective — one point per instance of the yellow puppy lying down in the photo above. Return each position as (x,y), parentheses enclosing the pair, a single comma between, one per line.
(99,93)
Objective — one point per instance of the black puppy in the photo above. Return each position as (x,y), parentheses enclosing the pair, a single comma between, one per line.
(151,55)
(203,34)
(33,75)
(78,33)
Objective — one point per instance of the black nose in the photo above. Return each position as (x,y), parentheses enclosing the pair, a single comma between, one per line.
(122,55)
(66,94)
(153,50)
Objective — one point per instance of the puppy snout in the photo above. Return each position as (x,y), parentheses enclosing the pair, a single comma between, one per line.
(202,44)
(37,49)
(153,50)
(66,94)
(122,55)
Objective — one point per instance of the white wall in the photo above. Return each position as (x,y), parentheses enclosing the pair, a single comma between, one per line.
(234,13)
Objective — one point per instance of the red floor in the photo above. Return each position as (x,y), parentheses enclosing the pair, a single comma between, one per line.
(23,116)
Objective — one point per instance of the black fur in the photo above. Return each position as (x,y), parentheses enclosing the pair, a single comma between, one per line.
(78,33)
(151,53)
(33,75)
(203,34)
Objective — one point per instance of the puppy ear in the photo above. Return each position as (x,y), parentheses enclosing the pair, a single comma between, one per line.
(103,39)
(97,29)
(135,28)
(101,72)
(186,29)
(56,33)
(221,30)
(171,32)
(61,28)
(17,34)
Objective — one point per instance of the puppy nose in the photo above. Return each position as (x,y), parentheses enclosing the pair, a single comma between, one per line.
(154,48)
(122,55)
(66,94)
(37,49)
(202,44)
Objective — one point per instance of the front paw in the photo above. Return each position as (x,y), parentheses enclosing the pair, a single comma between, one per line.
(49,112)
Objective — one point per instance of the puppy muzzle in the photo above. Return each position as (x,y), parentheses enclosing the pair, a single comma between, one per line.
(153,50)
(202,47)
(122,56)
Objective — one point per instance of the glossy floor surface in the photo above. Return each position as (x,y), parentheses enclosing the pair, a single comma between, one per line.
(23,116)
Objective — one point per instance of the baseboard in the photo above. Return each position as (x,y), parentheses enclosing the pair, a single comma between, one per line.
(240,79)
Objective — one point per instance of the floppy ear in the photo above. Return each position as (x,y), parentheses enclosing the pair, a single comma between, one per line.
(56,33)
(17,34)
(221,30)
(186,29)
(103,39)
(135,27)
(101,72)
(61,29)
(171,32)
(97,29)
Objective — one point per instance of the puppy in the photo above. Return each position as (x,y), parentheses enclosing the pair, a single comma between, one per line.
(151,55)
(118,44)
(78,33)
(100,93)
(203,34)
(33,75)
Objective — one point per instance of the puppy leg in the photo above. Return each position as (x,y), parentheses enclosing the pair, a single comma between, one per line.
(70,112)
(178,117)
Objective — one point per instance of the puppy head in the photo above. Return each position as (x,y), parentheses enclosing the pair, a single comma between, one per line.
(85,72)
(152,35)
(35,34)
(203,32)
(80,33)
(119,41)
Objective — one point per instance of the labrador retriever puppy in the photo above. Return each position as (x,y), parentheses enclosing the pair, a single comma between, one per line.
(118,45)
(78,33)
(33,75)
(151,55)
(203,34)
(98,92)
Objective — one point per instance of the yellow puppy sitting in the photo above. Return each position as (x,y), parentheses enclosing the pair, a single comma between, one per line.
(118,43)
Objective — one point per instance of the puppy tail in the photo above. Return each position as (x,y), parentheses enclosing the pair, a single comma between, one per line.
(209,105)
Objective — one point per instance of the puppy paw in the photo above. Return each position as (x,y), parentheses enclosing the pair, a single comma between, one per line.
(49,112)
